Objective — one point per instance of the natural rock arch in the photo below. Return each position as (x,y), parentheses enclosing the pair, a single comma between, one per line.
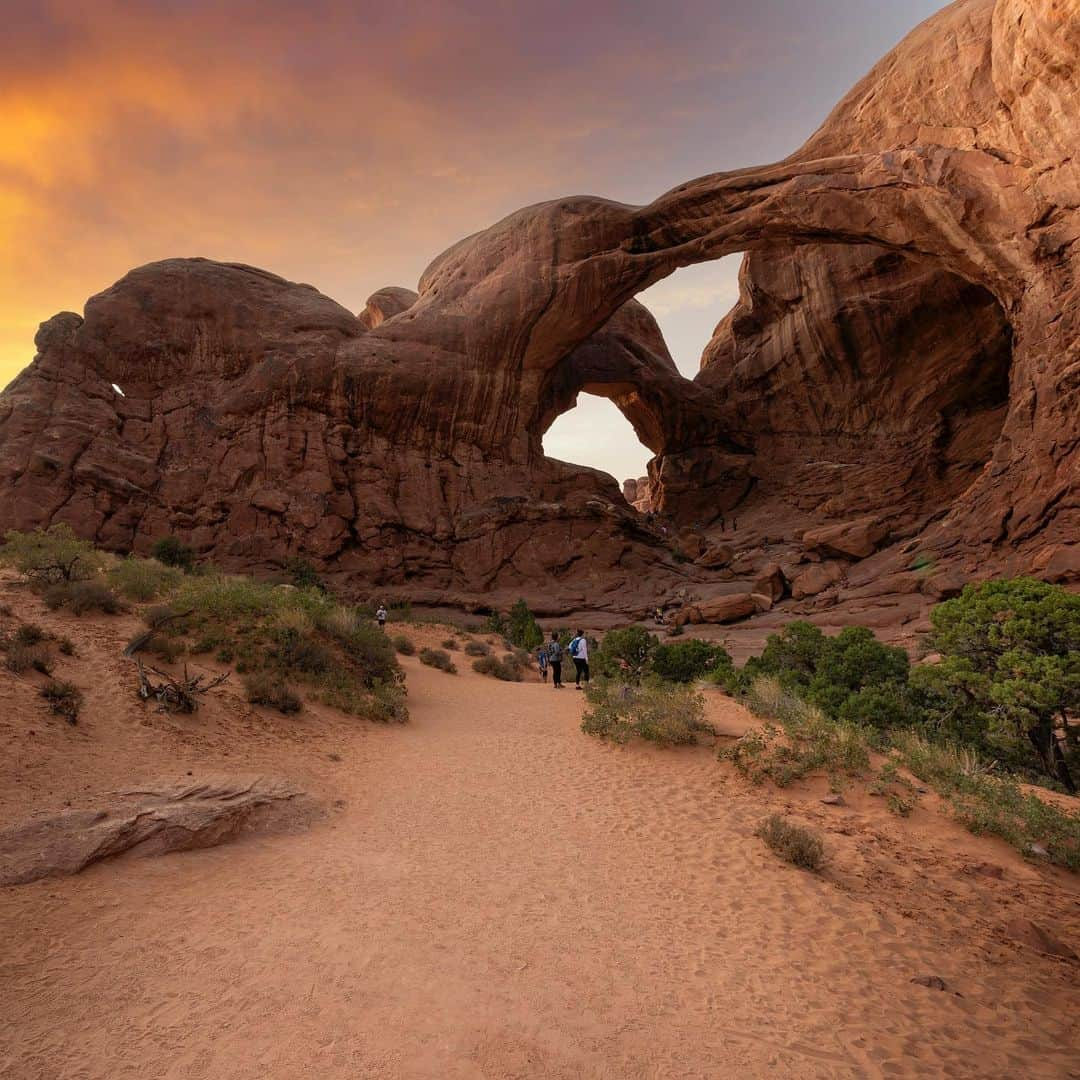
(402,447)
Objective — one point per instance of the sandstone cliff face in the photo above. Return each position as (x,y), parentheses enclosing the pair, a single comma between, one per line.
(922,239)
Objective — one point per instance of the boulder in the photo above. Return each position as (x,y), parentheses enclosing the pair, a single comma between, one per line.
(154,821)
(771,582)
(850,539)
(716,556)
(723,609)
(816,579)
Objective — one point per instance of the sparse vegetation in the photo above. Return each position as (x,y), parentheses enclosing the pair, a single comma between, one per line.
(64,698)
(662,714)
(172,551)
(82,597)
(497,669)
(476,648)
(22,658)
(142,580)
(438,658)
(450,644)
(404,645)
(688,661)
(51,555)
(796,845)
(268,688)
(625,654)
(808,741)
(522,629)
(28,634)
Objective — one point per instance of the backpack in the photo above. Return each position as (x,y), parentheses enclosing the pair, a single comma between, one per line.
(575,646)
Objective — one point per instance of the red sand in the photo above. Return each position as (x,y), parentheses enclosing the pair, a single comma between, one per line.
(497,895)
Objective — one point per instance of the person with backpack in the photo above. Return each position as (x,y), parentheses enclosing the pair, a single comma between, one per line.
(380,616)
(542,662)
(579,653)
(555,660)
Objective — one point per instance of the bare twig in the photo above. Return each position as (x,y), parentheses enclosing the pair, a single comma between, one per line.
(175,695)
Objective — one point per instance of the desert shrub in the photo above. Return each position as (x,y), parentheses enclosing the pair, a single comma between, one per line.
(64,698)
(228,598)
(476,648)
(143,579)
(986,802)
(793,843)
(624,654)
(172,551)
(495,624)
(387,704)
(792,656)
(164,648)
(808,742)
(450,644)
(404,645)
(369,649)
(5,610)
(522,629)
(853,662)
(884,707)
(66,646)
(299,651)
(662,714)
(303,574)
(1010,673)
(81,597)
(438,658)
(686,661)
(50,555)
(268,688)
(28,634)
(22,658)
(497,669)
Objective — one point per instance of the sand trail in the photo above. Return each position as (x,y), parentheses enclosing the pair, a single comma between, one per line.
(500,896)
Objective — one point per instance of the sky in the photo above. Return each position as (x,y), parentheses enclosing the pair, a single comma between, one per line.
(346,144)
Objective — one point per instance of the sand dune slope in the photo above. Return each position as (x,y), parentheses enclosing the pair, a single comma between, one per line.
(499,896)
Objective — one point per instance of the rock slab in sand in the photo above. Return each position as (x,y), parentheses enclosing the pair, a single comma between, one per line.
(152,822)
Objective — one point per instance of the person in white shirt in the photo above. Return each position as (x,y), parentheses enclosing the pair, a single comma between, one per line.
(579,653)
(380,616)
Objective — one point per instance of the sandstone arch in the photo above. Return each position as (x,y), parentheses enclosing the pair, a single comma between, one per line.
(403,447)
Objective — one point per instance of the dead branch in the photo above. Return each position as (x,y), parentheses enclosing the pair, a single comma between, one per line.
(175,695)
(141,640)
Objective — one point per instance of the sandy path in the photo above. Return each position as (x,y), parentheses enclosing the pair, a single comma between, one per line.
(502,897)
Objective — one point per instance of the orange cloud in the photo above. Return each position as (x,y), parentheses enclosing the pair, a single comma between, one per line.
(340,143)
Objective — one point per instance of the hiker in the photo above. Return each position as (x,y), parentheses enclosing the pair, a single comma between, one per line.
(579,653)
(555,660)
(542,662)
(380,616)
(658,616)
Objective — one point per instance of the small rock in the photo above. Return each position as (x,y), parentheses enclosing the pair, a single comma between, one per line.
(934,982)
(334,757)
(834,800)
(988,870)
(1039,850)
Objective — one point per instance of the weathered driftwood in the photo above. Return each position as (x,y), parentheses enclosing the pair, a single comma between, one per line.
(176,695)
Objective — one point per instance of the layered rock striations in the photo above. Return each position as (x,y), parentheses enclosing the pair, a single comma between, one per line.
(905,350)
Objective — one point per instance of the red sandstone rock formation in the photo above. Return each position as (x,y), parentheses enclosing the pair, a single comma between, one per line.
(403,448)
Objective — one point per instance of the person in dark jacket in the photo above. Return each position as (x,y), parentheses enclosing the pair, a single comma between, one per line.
(555,661)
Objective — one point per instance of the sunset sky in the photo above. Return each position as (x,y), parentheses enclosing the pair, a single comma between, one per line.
(346,144)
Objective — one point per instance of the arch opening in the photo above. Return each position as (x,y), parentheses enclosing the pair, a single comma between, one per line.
(594,432)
